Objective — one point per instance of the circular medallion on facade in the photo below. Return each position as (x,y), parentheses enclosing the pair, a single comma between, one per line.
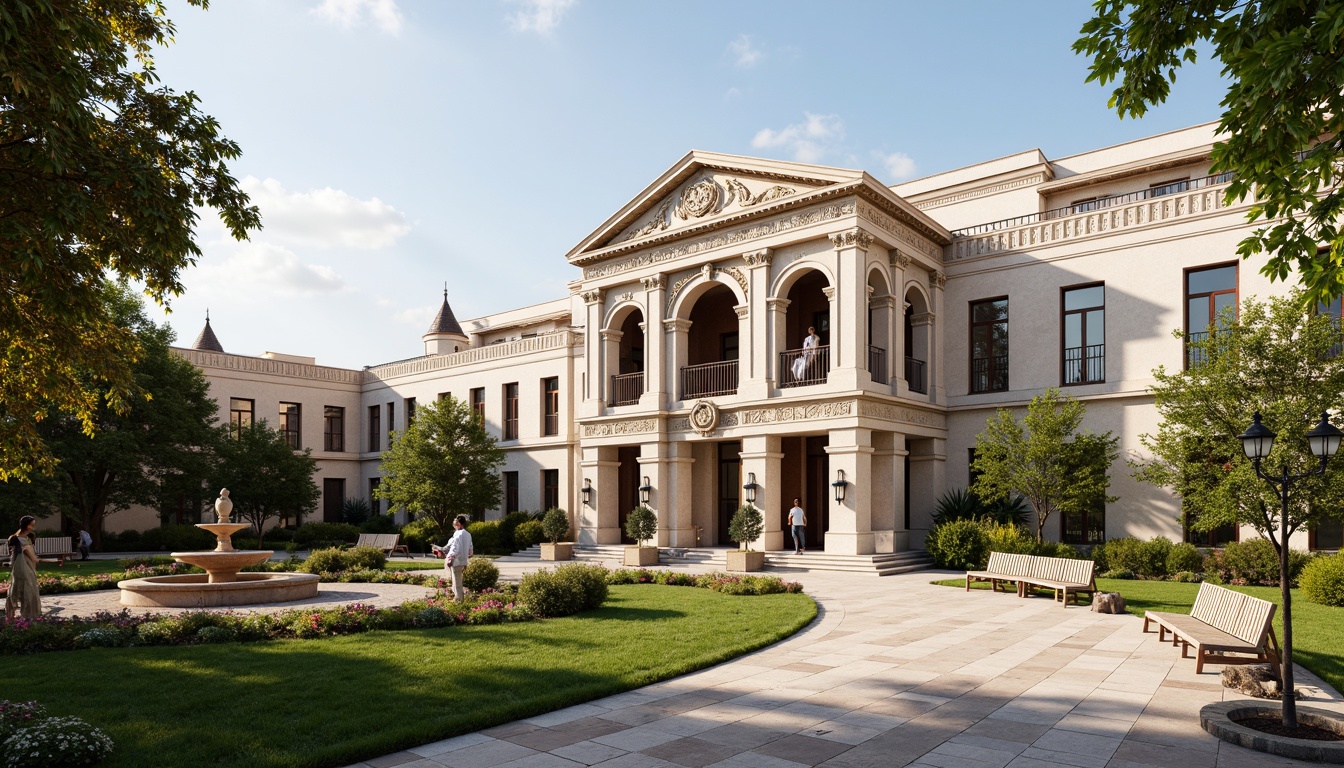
(699,199)
(704,417)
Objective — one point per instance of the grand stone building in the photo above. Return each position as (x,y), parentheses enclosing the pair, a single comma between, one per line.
(676,367)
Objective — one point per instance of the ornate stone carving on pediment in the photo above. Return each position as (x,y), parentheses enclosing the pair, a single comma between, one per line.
(852,238)
(737,190)
(698,199)
(658,223)
(654,283)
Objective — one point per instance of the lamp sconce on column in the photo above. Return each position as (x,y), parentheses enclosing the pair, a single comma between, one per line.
(587,491)
(839,486)
(750,488)
(645,491)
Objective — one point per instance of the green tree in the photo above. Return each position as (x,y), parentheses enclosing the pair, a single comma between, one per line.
(265,477)
(155,452)
(1283,113)
(103,175)
(1044,459)
(443,465)
(1282,362)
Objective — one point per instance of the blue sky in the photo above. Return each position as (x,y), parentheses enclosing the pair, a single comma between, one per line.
(393,145)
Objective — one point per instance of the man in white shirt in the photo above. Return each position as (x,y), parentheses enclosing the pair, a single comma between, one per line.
(456,553)
(798,522)
(85,541)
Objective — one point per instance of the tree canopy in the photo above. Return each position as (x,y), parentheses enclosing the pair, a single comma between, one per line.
(443,464)
(266,478)
(1282,125)
(103,175)
(1044,459)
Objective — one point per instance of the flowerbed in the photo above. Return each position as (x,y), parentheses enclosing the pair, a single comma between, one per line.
(730,584)
(31,739)
(58,585)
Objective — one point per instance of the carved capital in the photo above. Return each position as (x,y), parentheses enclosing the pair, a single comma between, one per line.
(654,283)
(777,305)
(923,318)
(899,260)
(742,311)
(937,279)
(760,258)
(829,293)
(673,326)
(882,302)
(592,297)
(852,238)
(611,335)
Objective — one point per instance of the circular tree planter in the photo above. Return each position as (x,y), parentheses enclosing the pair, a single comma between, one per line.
(1221,720)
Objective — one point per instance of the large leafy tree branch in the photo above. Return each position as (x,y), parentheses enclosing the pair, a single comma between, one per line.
(1282,116)
(103,175)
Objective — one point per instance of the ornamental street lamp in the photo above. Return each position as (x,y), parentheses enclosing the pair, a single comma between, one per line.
(587,492)
(750,487)
(1257,441)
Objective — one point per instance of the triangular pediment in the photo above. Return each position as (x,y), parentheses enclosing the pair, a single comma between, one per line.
(704,187)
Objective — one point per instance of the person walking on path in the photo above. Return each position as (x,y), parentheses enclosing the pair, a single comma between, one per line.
(456,553)
(798,522)
(22,596)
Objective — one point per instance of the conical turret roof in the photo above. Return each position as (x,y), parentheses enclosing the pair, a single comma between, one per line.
(445,322)
(207,341)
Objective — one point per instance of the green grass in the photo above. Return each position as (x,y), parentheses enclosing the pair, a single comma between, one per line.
(341,700)
(1317,641)
(72,568)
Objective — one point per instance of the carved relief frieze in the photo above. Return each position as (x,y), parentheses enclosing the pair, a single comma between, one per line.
(720,239)
(902,232)
(608,428)
(796,412)
(761,258)
(744,197)
(903,415)
(852,238)
(676,290)
(658,223)
(737,275)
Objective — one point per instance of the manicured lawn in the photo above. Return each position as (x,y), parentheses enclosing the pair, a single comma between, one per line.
(340,700)
(1318,630)
(72,568)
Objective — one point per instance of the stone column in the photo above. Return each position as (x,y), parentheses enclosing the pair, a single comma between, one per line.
(884,504)
(849,310)
(600,519)
(901,535)
(850,531)
(928,464)
(655,344)
(591,402)
(884,334)
(754,338)
(677,334)
(763,455)
(778,314)
(747,383)
(669,469)
(609,364)
(937,391)
(898,352)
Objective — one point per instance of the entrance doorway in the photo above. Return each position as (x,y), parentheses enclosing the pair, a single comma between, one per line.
(730,480)
(818,492)
(627,493)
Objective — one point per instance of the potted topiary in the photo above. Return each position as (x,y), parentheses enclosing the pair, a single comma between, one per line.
(642,526)
(555,526)
(745,527)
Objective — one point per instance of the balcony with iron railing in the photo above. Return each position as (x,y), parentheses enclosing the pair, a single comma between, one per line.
(1085,365)
(915,375)
(989,374)
(804,367)
(626,388)
(877,364)
(709,379)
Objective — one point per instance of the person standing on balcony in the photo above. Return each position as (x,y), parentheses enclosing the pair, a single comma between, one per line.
(798,522)
(804,361)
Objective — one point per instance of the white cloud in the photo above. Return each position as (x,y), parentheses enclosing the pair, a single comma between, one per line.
(745,51)
(418,317)
(325,217)
(809,141)
(348,14)
(898,165)
(540,16)
(255,268)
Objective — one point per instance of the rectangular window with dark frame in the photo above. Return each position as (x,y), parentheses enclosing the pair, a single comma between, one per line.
(728,349)
(333,428)
(444,396)
(1170,187)
(291,424)
(375,503)
(1209,293)
(241,413)
(410,410)
(510,492)
(1087,527)
(511,411)
(1327,534)
(375,428)
(550,489)
(550,406)
(478,404)
(1084,329)
(989,345)
(391,421)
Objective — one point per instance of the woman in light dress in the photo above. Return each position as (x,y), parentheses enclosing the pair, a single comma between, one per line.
(804,361)
(22,596)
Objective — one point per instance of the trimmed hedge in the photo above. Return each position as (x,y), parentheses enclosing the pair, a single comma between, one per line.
(1322,580)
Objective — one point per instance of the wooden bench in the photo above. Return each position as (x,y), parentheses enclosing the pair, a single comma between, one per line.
(49,549)
(1221,622)
(1062,575)
(389,543)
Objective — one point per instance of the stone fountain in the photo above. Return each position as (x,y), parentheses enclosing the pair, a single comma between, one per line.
(222,584)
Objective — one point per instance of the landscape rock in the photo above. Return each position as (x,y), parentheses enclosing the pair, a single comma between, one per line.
(1108,602)
(1258,680)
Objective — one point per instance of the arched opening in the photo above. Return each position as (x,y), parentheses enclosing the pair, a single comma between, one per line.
(917,331)
(711,345)
(806,361)
(626,364)
(881,306)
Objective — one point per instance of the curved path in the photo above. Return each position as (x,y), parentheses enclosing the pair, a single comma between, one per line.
(897,672)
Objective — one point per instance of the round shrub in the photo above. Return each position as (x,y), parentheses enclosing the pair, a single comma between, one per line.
(1118,573)
(419,534)
(480,574)
(589,580)
(1147,559)
(216,634)
(958,544)
(324,561)
(528,534)
(507,525)
(56,742)
(1322,580)
(555,525)
(486,538)
(365,559)
(99,637)
(546,595)
(432,616)
(18,714)
(1184,558)
(1256,562)
(309,534)
(747,525)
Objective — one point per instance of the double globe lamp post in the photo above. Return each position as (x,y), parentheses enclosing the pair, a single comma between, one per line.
(1257,441)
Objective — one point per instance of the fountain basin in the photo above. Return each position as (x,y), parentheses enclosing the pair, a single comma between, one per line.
(194,590)
(223,565)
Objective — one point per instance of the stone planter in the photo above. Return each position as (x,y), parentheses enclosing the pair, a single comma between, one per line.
(745,560)
(1220,719)
(641,556)
(562,550)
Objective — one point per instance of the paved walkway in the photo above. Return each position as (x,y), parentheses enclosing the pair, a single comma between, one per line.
(898,672)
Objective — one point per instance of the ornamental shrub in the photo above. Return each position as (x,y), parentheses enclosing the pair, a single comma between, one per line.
(339,560)
(958,544)
(100,637)
(480,574)
(1118,573)
(486,538)
(1007,537)
(311,534)
(1184,558)
(324,561)
(18,714)
(589,580)
(1147,559)
(127,563)
(1256,563)
(216,634)
(528,534)
(746,526)
(547,596)
(507,525)
(379,524)
(555,525)
(364,558)
(1098,556)
(641,524)
(1322,580)
(355,510)
(419,534)
(56,742)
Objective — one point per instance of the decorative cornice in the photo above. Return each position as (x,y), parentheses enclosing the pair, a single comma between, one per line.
(777,305)
(923,318)
(632,427)
(937,279)
(760,258)
(609,334)
(916,240)
(852,238)
(742,310)
(971,194)
(654,282)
